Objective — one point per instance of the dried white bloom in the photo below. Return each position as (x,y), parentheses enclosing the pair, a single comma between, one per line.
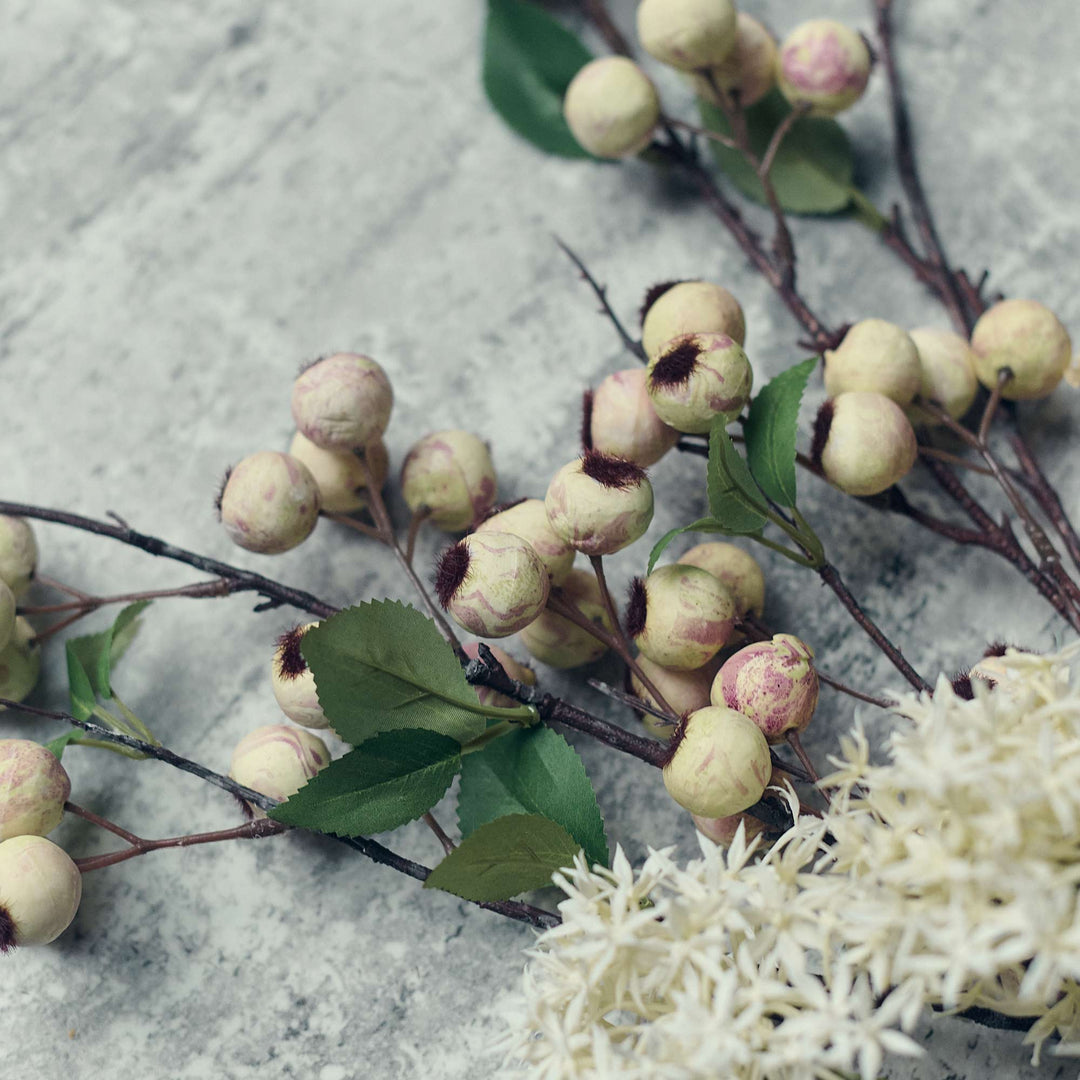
(947,877)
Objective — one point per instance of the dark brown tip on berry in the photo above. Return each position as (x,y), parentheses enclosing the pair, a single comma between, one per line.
(961,684)
(290,660)
(498,508)
(822,427)
(586,420)
(636,607)
(7,931)
(221,492)
(676,365)
(652,294)
(998,648)
(306,364)
(450,572)
(610,471)
(245,807)
(674,742)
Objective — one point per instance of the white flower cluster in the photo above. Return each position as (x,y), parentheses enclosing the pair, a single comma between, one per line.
(948,877)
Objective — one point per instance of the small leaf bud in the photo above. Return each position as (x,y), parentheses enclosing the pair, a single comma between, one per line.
(293,681)
(7,614)
(492,584)
(599,504)
(863,442)
(680,616)
(690,307)
(611,107)
(560,643)
(1027,338)
(340,474)
(948,374)
(277,760)
(450,473)
(18,553)
(528,519)
(774,683)
(687,34)
(33,789)
(736,568)
(623,420)
(342,402)
(874,355)
(749,70)
(684,691)
(20,663)
(696,377)
(269,503)
(825,65)
(40,890)
(720,764)
(512,668)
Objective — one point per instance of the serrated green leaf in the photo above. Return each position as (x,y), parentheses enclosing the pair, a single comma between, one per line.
(813,169)
(702,525)
(771,431)
(732,490)
(383,666)
(381,784)
(532,771)
(529,60)
(505,857)
(90,659)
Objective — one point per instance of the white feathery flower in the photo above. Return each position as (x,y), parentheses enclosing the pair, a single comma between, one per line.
(947,876)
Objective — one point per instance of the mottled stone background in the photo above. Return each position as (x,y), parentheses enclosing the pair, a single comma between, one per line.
(195,196)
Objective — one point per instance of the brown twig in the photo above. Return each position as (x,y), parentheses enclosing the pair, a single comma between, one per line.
(415,524)
(440,833)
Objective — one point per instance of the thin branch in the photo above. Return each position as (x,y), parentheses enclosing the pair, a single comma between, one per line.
(415,524)
(440,833)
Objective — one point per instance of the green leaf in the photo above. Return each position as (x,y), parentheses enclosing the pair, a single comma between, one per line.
(771,430)
(702,525)
(383,666)
(732,490)
(90,659)
(529,60)
(383,783)
(532,771)
(57,746)
(505,857)
(813,169)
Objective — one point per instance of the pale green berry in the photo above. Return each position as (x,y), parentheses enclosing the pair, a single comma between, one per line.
(825,65)
(736,568)
(20,663)
(864,443)
(528,519)
(492,584)
(18,553)
(874,355)
(270,503)
(622,420)
(450,474)
(680,616)
(7,614)
(720,765)
(697,377)
(687,34)
(560,643)
(690,307)
(723,830)
(341,476)
(1027,338)
(512,668)
(749,72)
(293,682)
(277,760)
(948,374)
(40,890)
(684,691)
(599,504)
(342,402)
(33,789)
(611,107)
(774,683)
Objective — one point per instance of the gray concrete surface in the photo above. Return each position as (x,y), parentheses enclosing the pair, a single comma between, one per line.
(195,196)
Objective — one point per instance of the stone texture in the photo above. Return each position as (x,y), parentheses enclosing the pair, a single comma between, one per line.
(196,196)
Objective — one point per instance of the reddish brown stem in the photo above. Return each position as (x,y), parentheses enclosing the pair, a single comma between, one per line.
(440,834)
